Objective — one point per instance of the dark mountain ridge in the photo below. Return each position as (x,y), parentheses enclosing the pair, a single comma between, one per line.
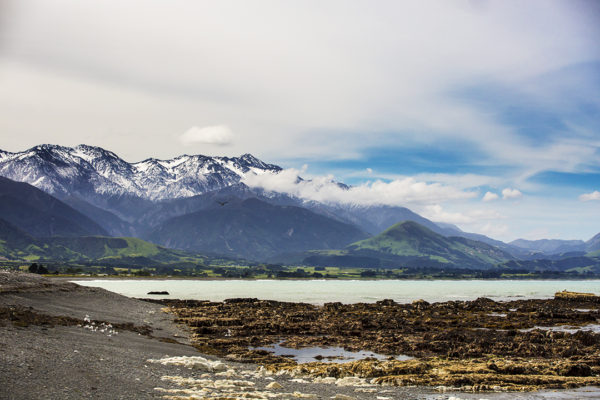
(40,214)
(253,229)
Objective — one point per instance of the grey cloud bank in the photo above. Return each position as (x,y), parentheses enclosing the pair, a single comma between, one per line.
(360,68)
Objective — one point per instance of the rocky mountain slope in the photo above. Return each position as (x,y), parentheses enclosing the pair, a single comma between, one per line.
(87,171)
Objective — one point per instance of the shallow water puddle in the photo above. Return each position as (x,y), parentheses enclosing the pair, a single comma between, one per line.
(495,314)
(332,354)
(595,328)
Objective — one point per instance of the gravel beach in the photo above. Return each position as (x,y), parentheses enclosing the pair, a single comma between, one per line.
(49,349)
(59,340)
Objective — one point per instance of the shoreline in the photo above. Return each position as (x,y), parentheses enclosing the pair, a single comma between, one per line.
(197,278)
(347,291)
(44,350)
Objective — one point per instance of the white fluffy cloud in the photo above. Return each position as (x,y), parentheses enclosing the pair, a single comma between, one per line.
(489,196)
(494,230)
(595,195)
(510,193)
(218,134)
(436,212)
(400,192)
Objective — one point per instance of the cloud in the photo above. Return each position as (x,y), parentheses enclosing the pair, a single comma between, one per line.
(509,193)
(494,230)
(489,196)
(323,188)
(435,212)
(595,195)
(218,134)
(365,68)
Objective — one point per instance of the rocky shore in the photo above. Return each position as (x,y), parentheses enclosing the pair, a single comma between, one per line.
(479,345)
(59,340)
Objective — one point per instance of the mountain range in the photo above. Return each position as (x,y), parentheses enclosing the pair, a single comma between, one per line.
(91,172)
(199,203)
(557,246)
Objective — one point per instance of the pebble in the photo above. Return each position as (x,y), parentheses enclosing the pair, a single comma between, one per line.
(274,385)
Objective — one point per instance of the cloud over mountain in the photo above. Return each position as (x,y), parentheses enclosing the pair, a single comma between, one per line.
(399,192)
(218,134)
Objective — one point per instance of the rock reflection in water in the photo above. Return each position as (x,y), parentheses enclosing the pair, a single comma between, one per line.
(333,354)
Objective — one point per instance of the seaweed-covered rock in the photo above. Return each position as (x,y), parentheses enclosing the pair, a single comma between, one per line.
(481,344)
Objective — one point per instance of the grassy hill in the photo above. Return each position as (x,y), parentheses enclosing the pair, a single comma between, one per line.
(410,244)
(18,245)
(411,239)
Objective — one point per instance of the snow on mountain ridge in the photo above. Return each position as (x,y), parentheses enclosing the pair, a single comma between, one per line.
(92,170)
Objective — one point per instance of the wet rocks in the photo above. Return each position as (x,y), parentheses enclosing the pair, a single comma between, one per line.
(458,344)
(566,295)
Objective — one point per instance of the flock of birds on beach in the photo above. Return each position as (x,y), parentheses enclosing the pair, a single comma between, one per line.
(102,327)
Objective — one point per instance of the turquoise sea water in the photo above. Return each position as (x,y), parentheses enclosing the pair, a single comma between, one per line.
(323,291)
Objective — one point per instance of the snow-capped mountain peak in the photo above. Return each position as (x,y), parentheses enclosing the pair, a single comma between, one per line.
(89,170)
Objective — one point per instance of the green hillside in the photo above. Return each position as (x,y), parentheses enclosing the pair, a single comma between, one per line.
(108,248)
(17,245)
(594,254)
(411,239)
(410,244)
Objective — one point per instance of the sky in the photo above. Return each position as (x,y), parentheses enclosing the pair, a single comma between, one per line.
(484,114)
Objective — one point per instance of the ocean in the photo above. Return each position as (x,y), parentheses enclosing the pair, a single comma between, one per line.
(345,291)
